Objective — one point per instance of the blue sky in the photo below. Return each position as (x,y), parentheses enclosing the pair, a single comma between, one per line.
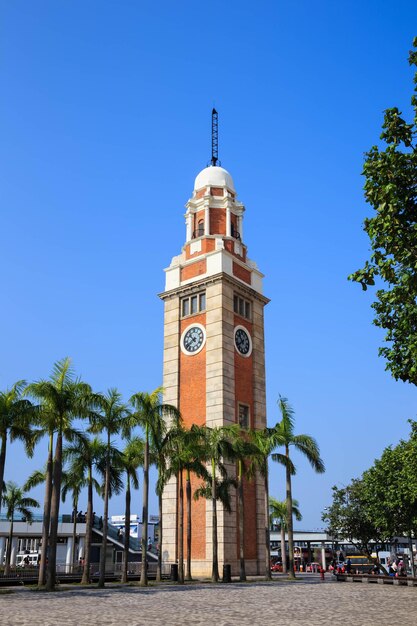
(105,122)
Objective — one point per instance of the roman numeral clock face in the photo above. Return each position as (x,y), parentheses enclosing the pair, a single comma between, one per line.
(243,341)
(193,339)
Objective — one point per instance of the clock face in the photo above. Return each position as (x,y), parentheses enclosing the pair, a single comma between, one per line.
(193,339)
(243,341)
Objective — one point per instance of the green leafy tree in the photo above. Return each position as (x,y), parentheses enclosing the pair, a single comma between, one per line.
(278,512)
(16,419)
(15,501)
(308,447)
(349,518)
(110,416)
(63,398)
(151,414)
(390,188)
(391,489)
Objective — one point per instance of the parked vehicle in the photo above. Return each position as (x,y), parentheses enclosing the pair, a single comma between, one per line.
(27,560)
(276,567)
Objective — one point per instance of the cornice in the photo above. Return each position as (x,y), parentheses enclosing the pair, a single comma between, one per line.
(190,288)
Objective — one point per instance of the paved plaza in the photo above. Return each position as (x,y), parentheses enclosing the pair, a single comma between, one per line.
(305,603)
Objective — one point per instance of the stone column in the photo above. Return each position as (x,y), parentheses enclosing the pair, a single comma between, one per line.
(207,219)
(68,558)
(188,222)
(81,548)
(13,556)
(323,555)
(228,222)
(2,548)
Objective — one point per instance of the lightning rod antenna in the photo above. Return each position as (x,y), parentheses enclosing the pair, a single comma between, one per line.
(215,138)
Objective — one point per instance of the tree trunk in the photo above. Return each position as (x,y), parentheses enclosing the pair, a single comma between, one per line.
(189,529)
(215,568)
(88,529)
(103,550)
(2,462)
(74,538)
(283,550)
(144,568)
(46,515)
(410,547)
(181,530)
(127,531)
(56,498)
(241,522)
(291,573)
(9,550)
(160,536)
(268,575)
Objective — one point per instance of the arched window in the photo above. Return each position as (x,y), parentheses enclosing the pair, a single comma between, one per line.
(200,228)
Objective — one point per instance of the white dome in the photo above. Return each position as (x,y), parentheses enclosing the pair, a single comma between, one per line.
(215,177)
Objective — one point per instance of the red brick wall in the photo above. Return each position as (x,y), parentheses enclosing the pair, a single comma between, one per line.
(217,221)
(242,273)
(195,269)
(207,245)
(216,191)
(244,394)
(193,410)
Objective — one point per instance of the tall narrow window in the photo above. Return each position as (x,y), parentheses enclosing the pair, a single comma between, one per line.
(191,305)
(200,228)
(243,416)
(185,307)
(242,307)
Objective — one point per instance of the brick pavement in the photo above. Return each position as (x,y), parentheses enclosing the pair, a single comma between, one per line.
(304,603)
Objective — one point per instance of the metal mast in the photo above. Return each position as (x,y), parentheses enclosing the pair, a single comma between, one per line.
(215,138)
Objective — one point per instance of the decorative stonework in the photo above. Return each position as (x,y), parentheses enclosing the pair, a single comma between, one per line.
(208,386)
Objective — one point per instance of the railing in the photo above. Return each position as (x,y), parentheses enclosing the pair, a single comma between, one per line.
(71,572)
(38,517)
(200,233)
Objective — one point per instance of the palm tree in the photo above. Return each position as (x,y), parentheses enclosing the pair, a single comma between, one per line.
(83,458)
(73,483)
(278,514)
(63,398)
(15,502)
(16,418)
(266,441)
(244,451)
(159,454)
(110,416)
(309,448)
(221,489)
(150,414)
(184,451)
(217,446)
(70,482)
(132,459)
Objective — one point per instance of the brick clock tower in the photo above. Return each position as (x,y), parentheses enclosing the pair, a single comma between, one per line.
(214,361)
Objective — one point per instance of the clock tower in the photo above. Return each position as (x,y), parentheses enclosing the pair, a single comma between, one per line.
(214,361)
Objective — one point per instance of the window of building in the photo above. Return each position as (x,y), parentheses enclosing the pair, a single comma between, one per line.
(244,416)
(193,304)
(242,307)
(200,228)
